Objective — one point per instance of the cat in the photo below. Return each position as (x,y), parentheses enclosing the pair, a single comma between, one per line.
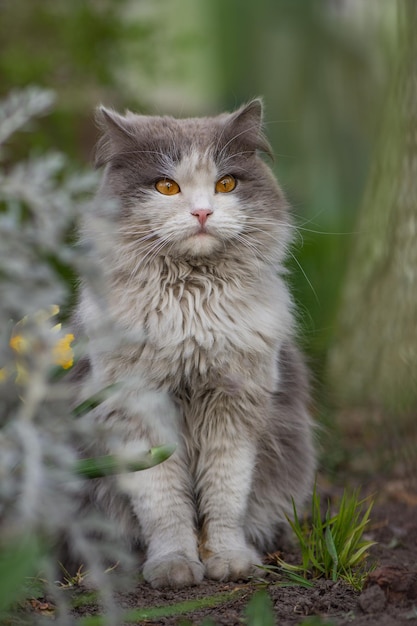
(192,257)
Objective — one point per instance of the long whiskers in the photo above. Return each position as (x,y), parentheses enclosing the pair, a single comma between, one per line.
(152,252)
(295,226)
(242,239)
(306,277)
(152,244)
(277,238)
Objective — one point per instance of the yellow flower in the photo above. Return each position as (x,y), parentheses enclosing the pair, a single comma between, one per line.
(24,342)
(62,352)
(19,344)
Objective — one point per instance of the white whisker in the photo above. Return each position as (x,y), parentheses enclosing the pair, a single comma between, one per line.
(306,277)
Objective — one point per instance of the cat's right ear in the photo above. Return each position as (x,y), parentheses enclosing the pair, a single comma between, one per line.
(244,129)
(118,135)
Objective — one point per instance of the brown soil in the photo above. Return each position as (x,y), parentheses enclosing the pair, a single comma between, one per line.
(388,599)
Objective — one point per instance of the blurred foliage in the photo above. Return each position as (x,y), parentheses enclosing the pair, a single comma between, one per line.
(322,72)
(322,67)
(124,53)
(65,34)
(66,46)
(40,488)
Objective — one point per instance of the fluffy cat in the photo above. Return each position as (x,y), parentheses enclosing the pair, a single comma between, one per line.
(192,285)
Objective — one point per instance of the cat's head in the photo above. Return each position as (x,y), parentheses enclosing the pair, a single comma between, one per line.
(193,188)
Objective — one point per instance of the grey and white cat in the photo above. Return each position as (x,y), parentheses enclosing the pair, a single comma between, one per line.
(192,266)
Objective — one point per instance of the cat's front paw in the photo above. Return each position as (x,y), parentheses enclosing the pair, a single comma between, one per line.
(173,570)
(232,564)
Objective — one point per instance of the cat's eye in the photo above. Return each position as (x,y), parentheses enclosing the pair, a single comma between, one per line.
(167,187)
(226,184)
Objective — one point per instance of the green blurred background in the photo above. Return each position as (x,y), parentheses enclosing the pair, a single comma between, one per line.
(322,67)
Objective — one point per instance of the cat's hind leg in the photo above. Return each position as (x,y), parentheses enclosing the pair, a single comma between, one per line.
(286,460)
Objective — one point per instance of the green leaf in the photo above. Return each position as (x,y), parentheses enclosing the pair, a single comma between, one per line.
(260,610)
(91,403)
(18,561)
(107,465)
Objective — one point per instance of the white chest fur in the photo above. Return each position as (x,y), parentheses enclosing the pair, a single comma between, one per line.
(198,321)
(201,322)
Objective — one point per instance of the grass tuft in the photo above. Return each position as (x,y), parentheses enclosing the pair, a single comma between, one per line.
(334,547)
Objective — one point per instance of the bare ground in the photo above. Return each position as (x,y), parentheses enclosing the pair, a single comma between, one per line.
(388,599)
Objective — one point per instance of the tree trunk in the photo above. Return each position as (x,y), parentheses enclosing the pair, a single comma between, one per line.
(373,359)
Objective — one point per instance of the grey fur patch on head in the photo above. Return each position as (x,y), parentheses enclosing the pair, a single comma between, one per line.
(237,132)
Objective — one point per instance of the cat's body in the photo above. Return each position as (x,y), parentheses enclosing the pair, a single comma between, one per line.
(192,281)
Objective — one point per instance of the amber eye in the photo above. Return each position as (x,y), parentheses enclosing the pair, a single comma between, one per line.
(226,184)
(167,187)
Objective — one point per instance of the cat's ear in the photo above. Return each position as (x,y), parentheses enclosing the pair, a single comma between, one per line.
(244,128)
(118,134)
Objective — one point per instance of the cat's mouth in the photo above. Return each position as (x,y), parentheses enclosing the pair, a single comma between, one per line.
(200,241)
(201,232)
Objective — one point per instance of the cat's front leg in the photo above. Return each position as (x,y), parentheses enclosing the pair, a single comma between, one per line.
(161,497)
(166,514)
(224,476)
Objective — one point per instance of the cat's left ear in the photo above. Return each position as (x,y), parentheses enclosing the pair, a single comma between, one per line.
(118,134)
(244,129)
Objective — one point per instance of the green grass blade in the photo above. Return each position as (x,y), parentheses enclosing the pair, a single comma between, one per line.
(181,608)
(332,551)
(296,579)
(318,566)
(360,553)
(291,572)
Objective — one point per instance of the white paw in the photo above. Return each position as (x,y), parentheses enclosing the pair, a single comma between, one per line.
(232,564)
(173,570)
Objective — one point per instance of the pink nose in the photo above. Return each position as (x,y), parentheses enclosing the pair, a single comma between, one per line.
(202,215)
